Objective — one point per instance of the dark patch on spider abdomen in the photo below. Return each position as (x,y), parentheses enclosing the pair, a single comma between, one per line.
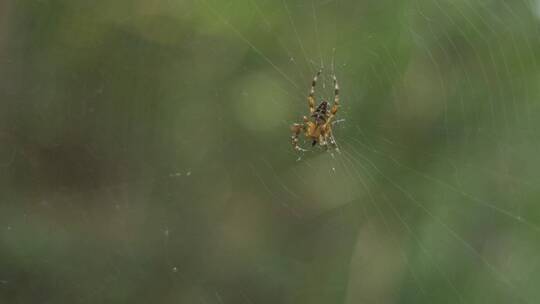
(321,113)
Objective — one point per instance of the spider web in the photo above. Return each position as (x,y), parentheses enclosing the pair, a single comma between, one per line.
(430,197)
(177,175)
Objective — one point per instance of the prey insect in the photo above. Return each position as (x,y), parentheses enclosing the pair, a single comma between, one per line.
(318,127)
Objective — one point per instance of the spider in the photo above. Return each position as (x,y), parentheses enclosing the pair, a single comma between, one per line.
(318,128)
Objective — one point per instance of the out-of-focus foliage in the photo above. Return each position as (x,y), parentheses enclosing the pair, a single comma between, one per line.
(145,152)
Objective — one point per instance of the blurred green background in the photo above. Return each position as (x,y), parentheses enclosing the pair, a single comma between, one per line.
(145,152)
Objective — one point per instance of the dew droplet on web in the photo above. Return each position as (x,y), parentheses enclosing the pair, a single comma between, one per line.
(188,173)
(175,269)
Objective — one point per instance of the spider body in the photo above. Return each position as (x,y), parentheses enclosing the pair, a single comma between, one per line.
(321,113)
(318,127)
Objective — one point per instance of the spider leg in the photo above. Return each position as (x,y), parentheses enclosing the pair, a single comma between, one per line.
(333,142)
(296,130)
(336,104)
(311,96)
(322,141)
(338,121)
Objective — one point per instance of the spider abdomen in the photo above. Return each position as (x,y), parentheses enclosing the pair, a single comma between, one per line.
(321,113)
